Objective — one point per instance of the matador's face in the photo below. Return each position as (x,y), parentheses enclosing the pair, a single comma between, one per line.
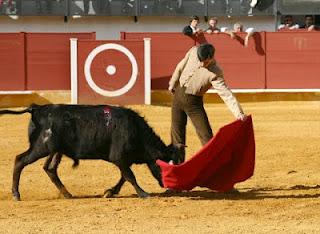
(206,63)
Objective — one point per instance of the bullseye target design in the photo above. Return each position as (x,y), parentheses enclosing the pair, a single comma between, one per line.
(111,70)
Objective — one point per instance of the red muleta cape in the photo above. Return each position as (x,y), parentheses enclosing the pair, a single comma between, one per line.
(228,158)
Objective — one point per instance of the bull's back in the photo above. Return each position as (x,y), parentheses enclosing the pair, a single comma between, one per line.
(86,132)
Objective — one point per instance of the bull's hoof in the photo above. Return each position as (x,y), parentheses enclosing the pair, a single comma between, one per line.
(144,195)
(172,191)
(108,193)
(233,191)
(16,197)
(67,195)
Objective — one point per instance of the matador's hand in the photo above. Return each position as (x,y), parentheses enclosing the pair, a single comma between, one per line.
(171,89)
(243,117)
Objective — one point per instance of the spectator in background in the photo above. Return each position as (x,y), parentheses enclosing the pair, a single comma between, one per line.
(309,23)
(192,29)
(238,27)
(86,6)
(9,6)
(288,24)
(179,6)
(98,7)
(127,6)
(213,28)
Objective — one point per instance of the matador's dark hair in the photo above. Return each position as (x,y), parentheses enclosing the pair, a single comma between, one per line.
(205,51)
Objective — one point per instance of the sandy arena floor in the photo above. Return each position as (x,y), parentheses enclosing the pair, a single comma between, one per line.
(283,196)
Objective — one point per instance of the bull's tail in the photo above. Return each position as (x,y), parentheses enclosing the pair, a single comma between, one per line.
(12,112)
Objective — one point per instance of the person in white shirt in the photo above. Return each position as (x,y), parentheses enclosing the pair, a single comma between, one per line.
(238,27)
(288,24)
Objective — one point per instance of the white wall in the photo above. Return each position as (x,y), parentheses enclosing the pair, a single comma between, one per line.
(110,27)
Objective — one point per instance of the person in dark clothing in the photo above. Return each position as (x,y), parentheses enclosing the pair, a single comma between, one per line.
(192,29)
(309,23)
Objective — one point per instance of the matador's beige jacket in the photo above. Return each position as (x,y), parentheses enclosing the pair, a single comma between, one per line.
(198,80)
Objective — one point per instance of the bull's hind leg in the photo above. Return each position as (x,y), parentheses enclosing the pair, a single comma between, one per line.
(21,161)
(129,176)
(50,167)
(116,189)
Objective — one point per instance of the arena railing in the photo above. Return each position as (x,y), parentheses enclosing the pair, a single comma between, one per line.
(206,8)
(133,8)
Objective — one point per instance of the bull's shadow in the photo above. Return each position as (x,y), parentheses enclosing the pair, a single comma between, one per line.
(244,194)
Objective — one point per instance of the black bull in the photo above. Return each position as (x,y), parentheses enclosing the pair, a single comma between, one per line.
(115,134)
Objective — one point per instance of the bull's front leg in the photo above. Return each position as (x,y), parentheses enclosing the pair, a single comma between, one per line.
(50,167)
(116,189)
(129,176)
(156,172)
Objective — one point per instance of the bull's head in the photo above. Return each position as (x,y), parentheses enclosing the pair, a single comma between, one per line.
(176,153)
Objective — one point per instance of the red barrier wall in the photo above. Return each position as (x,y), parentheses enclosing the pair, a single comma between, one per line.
(48,59)
(41,61)
(167,49)
(293,60)
(108,81)
(12,65)
(273,60)
(244,67)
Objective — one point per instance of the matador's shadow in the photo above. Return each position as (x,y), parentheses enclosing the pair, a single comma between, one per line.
(248,193)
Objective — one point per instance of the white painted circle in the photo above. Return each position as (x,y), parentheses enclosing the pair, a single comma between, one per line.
(111,70)
(96,88)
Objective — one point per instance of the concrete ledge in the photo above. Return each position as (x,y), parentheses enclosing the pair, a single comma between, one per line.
(164,97)
(25,98)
